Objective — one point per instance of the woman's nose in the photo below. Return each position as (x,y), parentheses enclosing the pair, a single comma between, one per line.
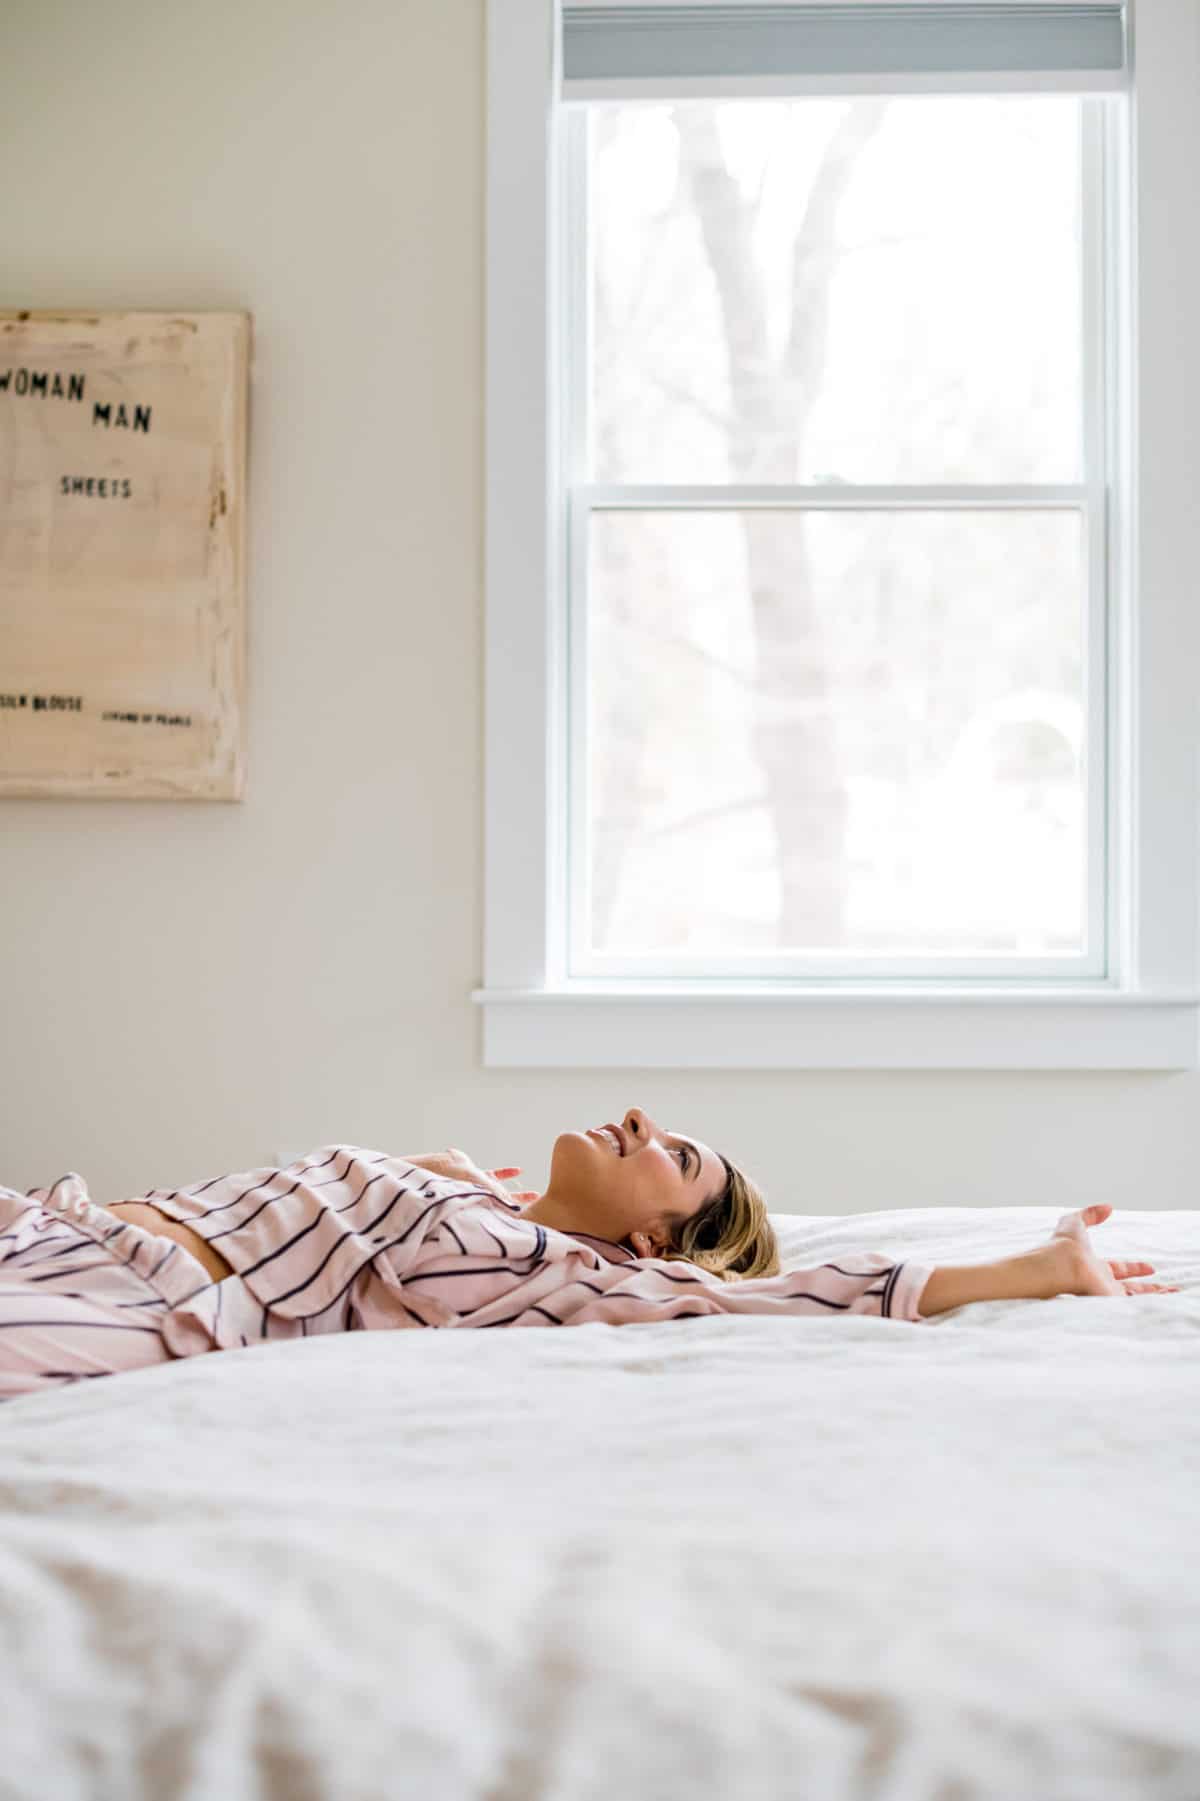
(641,1125)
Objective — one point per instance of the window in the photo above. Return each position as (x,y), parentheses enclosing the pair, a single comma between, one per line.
(837,559)
(817,663)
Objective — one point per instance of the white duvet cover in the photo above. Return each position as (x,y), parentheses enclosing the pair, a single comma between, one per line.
(842,1559)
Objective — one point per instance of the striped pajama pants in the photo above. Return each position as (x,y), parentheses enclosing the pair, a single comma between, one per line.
(81,1291)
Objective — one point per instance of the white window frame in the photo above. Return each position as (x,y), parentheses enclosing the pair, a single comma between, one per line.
(1143,1010)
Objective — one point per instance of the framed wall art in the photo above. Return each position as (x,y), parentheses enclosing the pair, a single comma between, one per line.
(122,553)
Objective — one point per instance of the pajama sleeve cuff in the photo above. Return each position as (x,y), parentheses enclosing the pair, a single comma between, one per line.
(906,1290)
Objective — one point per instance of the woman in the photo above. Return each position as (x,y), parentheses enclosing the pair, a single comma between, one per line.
(635,1224)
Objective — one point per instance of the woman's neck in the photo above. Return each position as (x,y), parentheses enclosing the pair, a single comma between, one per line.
(550,1210)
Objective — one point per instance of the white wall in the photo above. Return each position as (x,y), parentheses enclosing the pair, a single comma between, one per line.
(190,988)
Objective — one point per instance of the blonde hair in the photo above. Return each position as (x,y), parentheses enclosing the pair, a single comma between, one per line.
(729,1236)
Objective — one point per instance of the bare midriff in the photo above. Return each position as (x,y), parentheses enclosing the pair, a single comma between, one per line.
(141,1213)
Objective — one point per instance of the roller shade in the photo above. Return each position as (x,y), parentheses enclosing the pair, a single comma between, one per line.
(969,46)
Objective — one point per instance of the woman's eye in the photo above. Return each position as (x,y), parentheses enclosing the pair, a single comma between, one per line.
(683,1159)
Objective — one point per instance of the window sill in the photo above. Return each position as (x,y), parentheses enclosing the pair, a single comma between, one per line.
(767,1026)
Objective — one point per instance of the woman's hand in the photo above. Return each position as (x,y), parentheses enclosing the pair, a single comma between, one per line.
(1090,1274)
(458,1167)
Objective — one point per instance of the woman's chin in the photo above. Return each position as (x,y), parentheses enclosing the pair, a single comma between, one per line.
(575,1144)
(572,1152)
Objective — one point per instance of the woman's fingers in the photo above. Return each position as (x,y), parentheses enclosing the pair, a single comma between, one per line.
(1074,1225)
(1124,1270)
(504,1172)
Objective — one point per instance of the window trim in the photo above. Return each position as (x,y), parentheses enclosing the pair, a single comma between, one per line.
(1143,1015)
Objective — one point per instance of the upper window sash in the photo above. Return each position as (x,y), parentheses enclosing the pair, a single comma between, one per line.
(1143,1015)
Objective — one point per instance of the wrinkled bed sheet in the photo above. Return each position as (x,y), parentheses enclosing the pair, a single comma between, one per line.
(730,1558)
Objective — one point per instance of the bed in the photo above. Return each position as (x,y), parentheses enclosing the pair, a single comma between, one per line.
(754,1558)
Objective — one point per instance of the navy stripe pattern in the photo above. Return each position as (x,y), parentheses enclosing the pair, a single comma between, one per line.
(82,1293)
(350,1239)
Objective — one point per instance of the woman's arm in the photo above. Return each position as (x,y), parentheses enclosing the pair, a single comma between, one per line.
(1067,1265)
(1033,1276)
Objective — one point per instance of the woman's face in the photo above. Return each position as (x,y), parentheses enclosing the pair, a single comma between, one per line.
(623,1181)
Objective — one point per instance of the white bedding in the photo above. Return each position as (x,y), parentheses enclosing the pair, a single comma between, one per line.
(754,1558)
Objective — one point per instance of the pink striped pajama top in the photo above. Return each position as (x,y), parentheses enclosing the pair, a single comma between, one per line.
(349,1239)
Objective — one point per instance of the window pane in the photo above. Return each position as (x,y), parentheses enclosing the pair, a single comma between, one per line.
(871,290)
(849,730)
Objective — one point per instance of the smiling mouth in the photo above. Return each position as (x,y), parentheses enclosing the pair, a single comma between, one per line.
(609,1135)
